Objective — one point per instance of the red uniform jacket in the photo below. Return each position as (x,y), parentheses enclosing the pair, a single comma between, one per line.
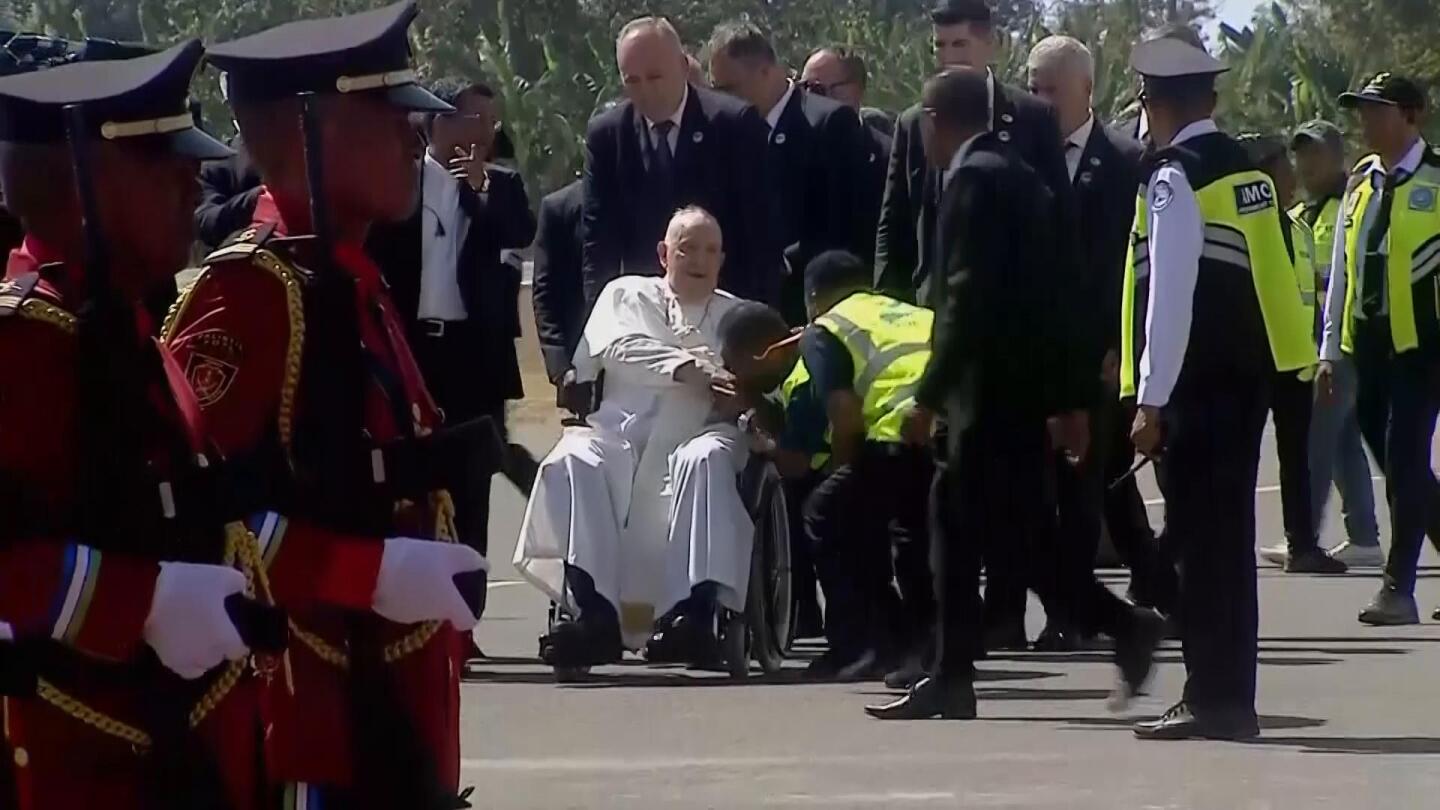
(237,333)
(82,740)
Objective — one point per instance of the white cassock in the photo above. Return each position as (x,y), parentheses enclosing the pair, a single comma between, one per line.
(643,498)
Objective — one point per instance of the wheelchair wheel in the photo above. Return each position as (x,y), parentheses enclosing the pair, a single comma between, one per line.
(734,645)
(769,609)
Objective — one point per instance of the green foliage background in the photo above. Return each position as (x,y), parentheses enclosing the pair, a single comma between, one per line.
(552,61)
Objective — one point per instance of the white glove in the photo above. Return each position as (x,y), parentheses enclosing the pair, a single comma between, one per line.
(188,626)
(416,582)
(6,632)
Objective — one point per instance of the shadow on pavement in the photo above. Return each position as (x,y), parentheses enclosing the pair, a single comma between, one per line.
(682,678)
(1173,657)
(1270,722)
(1356,745)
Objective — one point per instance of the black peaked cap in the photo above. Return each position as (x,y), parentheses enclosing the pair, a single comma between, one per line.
(365,52)
(145,97)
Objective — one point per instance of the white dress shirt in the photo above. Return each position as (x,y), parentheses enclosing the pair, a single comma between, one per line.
(675,118)
(1075,145)
(773,117)
(1335,294)
(443,227)
(1177,236)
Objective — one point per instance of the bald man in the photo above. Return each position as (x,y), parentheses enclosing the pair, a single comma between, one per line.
(670,144)
(636,514)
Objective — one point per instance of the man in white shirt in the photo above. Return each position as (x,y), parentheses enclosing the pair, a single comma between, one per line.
(816,158)
(637,512)
(1380,310)
(1212,310)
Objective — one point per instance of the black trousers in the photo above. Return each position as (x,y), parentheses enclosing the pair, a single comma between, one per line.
(448,363)
(1211,462)
(1070,558)
(997,470)
(1396,404)
(869,526)
(1291,399)
(1153,578)
(803,579)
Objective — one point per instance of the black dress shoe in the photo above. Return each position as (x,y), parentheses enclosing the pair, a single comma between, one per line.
(1056,639)
(928,699)
(1006,637)
(1436,615)
(1313,561)
(1181,723)
(1135,654)
(1390,608)
(907,674)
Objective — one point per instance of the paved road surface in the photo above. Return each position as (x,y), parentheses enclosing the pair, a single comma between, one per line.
(1351,718)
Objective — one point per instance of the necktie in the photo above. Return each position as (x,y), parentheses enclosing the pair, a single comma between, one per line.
(1072,158)
(664,157)
(1373,271)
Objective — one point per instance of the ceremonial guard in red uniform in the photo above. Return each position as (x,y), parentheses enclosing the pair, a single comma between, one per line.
(302,371)
(119,580)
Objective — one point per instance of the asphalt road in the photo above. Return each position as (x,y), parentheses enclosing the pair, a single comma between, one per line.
(1351,717)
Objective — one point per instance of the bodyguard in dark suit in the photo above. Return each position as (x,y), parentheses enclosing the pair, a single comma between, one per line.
(964,37)
(840,74)
(458,300)
(668,145)
(557,295)
(1104,167)
(814,156)
(228,191)
(998,348)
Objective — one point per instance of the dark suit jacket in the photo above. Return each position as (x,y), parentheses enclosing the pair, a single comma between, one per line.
(719,165)
(228,191)
(872,190)
(1105,192)
(903,264)
(558,296)
(997,342)
(500,219)
(816,153)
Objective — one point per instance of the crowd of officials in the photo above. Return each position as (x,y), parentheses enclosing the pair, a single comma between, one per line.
(245,521)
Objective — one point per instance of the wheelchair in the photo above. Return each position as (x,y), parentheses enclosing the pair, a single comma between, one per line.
(763,631)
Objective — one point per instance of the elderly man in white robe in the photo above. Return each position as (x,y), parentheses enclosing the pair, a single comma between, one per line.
(636,514)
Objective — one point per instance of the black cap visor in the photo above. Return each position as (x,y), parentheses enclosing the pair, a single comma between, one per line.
(1352,100)
(415,98)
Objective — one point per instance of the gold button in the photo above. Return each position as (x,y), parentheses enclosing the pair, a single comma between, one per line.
(22,757)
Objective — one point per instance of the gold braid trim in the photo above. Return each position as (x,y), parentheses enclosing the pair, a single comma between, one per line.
(295,310)
(99,721)
(242,550)
(37,310)
(442,506)
(320,647)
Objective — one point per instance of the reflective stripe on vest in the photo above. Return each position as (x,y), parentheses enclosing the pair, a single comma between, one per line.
(889,344)
(1414,250)
(1251,241)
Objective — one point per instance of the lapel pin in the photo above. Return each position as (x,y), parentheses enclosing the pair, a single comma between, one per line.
(698,137)
(1005,135)
(1094,161)
(779,138)
(1007,118)
(1086,177)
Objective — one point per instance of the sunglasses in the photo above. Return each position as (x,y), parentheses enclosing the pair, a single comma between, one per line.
(822,89)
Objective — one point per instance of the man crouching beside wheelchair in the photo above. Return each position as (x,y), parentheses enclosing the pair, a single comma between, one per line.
(636,529)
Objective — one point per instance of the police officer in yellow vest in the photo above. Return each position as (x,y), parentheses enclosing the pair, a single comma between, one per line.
(1384,312)
(1337,453)
(1292,394)
(864,354)
(1211,311)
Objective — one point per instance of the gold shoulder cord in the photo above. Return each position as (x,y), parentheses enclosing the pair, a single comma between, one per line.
(35,309)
